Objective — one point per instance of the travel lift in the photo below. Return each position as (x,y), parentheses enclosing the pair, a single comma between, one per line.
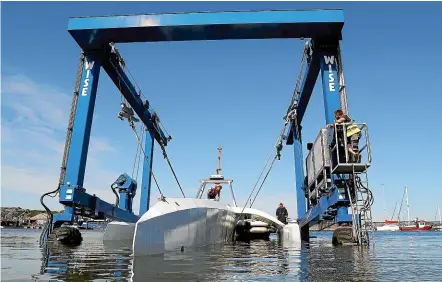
(332,184)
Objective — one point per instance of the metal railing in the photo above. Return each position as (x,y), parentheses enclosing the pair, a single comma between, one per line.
(340,154)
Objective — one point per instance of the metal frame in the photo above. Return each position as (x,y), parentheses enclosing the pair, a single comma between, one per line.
(96,37)
(324,62)
(204,182)
(345,167)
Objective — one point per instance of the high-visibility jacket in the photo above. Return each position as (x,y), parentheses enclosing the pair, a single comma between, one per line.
(352,129)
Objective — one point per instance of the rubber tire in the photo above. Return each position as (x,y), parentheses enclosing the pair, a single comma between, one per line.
(343,235)
(66,235)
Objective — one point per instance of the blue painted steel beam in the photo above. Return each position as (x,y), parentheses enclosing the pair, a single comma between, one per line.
(95,32)
(303,98)
(325,203)
(128,90)
(324,60)
(330,89)
(81,130)
(299,174)
(146,182)
(330,83)
(99,210)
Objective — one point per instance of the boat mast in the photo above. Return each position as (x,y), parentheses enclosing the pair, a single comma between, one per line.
(400,208)
(440,219)
(408,206)
(394,211)
(218,170)
(383,196)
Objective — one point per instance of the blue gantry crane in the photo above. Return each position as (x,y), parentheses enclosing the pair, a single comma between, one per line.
(97,37)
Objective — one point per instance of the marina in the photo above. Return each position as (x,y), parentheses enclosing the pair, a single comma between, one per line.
(168,213)
(258,260)
(334,181)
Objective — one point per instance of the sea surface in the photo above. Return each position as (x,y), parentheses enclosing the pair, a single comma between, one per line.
(398,256)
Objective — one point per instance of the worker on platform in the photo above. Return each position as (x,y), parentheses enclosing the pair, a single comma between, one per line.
(214,192)
(353,134)
(281,213)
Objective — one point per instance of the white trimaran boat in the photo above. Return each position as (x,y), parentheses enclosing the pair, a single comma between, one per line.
(174,224)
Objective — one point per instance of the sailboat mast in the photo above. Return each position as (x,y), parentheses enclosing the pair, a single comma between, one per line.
(383,196)
(394,211)
(440,219)
(408,206)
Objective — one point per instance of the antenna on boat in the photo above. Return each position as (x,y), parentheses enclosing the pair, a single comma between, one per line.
(218,170)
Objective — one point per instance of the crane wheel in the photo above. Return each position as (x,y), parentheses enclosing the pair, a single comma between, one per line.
(343,236)
(68,235)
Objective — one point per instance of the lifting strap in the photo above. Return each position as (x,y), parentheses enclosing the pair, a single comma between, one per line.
(132,125)
(171,168)
(262,183)
(146,158)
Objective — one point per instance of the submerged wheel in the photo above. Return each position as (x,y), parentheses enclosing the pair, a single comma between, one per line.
(343,235)
(67,235)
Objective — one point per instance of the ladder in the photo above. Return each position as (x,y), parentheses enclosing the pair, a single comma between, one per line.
(363,227)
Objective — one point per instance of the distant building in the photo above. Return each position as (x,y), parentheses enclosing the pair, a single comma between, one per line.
(39,219)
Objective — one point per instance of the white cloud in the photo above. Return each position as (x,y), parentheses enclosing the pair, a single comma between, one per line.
(35,105)
(34,121)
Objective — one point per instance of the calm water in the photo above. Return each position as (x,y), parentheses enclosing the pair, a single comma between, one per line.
(395,257)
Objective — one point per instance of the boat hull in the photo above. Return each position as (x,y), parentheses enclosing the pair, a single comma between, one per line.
(388,228)
(414,228)
(180,223)
(119,231)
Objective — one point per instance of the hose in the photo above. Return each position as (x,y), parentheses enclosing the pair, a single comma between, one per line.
(117,201)
(47,228)
(370,199)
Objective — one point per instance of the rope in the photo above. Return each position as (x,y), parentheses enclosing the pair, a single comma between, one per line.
(141,147)
(262,171)
(279,141)
(137,156)
(145,156)
(173,171)
(262,184)
(142,95)
(291,116)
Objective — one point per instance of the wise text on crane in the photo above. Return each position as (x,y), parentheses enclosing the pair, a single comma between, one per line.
(330,60)
(88,67)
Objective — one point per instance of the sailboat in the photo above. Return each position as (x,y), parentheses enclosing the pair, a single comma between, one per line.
(419,225)
(438,227)
(390,225)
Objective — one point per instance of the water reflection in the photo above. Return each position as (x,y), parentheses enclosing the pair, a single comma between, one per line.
(395,257)
(86,262)
(336,263)
(238,261)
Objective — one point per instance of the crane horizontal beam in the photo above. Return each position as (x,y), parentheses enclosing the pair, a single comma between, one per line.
(94,32)
(93,207)
(321,208)
(117,74)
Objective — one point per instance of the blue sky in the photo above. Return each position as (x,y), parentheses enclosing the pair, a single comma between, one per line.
(229,93)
